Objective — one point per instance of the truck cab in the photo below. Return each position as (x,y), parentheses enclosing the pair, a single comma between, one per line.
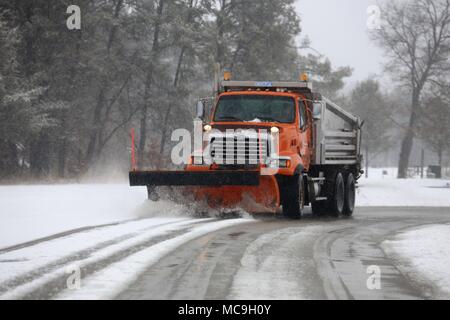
(283,113)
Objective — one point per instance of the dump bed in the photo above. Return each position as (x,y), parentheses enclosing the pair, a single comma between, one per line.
(337,136)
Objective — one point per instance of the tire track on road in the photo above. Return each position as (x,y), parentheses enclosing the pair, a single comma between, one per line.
(23,284)
(60,235)
(316,258)
(343,257)
(111,281)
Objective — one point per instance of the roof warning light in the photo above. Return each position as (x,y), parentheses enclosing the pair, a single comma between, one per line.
(227,76)
(304,77)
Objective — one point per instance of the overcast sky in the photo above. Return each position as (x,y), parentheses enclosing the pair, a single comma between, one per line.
(338,30)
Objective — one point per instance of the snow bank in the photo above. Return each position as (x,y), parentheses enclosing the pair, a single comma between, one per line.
(386,190)
(424,255)
(31,212)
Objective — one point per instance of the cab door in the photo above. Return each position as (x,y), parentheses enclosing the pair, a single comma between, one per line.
(305,145)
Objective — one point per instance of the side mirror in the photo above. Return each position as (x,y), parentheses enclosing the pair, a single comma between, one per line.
(317,110)
(200,110)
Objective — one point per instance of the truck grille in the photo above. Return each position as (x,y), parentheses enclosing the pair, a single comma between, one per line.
(239,150)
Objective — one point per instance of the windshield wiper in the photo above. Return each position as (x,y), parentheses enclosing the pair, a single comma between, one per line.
(229,118)
(267,119)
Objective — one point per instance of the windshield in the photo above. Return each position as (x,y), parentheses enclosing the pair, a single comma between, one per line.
(255,108)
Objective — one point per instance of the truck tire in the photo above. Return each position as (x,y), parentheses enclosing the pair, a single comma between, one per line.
(350,190)
(152,194)
(338,196)
(294,197)
(322,208)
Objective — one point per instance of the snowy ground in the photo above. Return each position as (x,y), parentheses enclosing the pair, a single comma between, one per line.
(113,234)
(424,255)
(386,190)
(32,212)
(36,211)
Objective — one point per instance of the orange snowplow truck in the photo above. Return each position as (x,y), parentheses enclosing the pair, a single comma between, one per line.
(270,147)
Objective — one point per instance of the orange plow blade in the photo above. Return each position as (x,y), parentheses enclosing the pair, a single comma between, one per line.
(254,199)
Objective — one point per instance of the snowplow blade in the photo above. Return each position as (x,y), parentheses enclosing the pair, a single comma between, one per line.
(262,198)
(194,178)
(219,189)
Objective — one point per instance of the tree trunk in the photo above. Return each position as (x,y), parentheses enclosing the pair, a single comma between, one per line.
(220,45)
(175,85)
(407,143)
(62,144)
(62,154)
(148,85)
(440,153)
(93,135)
(40,155)
(97,119)
(143,131)
(367,161)
(9,162)
(169,108)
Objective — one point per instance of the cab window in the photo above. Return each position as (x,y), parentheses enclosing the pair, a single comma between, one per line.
(302,113)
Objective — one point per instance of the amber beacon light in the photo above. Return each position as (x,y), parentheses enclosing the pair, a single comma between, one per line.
(304,77)
(227,76)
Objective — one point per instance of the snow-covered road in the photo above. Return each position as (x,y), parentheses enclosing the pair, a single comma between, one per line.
(109,257)
(278,259)
(241,258)
(126,247)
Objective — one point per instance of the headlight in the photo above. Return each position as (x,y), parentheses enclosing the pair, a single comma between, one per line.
(274,130)
(197,161)
(284,163)
(280,163)
(207,128)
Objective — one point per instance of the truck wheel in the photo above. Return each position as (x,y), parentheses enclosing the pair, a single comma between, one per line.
(350,190)
(319,208)
(152,194)
(294,198)
(338,196)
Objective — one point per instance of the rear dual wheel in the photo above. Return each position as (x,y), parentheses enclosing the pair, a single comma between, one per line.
(341,198)
(338,197)
(350,195)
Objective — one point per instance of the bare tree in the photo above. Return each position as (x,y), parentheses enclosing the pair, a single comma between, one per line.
(434,126)
(416,38)
(370,104)
(154,57)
